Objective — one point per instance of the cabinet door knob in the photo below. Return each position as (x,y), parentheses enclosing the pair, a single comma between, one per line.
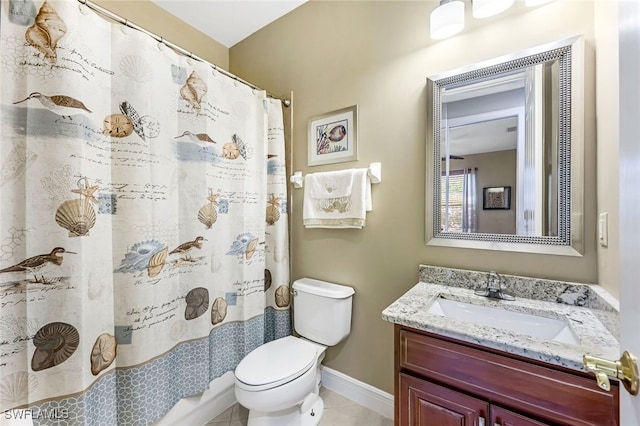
(625,369)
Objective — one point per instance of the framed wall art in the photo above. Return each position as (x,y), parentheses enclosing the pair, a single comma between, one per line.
(333,137)
(496,198)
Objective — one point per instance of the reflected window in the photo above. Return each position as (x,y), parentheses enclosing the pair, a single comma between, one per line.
(451,205)
(459,203)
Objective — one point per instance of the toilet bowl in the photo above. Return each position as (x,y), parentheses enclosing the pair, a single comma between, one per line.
(276,379)
(279,382)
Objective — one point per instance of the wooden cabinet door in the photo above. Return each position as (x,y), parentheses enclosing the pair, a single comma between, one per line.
(423,403)
(503,417)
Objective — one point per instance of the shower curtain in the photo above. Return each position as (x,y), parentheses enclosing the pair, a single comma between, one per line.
(143,220)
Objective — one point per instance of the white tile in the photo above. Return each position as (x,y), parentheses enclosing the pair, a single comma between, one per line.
(343,412)
(239,413)
(218,423)
(332,399)
(353,415)
(222,418)
(338,411)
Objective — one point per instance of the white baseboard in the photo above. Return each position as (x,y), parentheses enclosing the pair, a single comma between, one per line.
(202,408)
(366,395)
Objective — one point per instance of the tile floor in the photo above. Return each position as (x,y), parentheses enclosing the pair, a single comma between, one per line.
(338,411)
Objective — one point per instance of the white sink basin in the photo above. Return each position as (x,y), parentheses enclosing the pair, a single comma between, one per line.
(518,322)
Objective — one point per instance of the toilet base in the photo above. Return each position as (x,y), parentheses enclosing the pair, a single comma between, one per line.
(289,417)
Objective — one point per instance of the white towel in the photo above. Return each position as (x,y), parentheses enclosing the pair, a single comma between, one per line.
(336,199)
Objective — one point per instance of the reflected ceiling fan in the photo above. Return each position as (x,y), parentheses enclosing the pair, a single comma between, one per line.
(453,157)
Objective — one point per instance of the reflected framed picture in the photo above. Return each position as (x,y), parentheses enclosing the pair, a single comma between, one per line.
(496,198)
(333,137)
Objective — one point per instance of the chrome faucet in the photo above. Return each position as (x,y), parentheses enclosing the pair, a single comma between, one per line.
(493,289)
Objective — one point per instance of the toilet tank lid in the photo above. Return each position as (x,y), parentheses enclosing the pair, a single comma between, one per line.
(323,288)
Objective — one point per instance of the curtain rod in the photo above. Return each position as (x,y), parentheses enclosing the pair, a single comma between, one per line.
(126,22)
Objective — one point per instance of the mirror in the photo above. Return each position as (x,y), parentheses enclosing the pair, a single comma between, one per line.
(505,145)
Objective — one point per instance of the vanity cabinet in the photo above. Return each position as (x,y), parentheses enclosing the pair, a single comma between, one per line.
(442,382)
(425,403)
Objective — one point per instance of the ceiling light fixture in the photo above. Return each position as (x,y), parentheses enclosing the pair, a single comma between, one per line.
(447,19)
(487,8)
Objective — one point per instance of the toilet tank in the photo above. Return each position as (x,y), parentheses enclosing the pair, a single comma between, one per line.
(322,310)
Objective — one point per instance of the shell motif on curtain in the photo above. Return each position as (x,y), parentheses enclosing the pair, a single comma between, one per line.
(143,219)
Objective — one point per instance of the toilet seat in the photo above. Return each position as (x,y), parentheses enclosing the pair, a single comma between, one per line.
(275,363)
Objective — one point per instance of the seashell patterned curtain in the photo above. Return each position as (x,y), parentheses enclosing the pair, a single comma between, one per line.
(143,220)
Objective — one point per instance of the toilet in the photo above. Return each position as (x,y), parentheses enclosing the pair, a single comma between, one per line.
(279,382)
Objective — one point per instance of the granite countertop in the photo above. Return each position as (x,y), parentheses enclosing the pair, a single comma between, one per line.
(594,327)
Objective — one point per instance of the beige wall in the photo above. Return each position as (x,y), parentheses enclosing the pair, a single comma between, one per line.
(156,20)
(378,55)
(608,111)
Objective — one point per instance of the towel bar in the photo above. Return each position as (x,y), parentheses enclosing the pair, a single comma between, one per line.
(375,174)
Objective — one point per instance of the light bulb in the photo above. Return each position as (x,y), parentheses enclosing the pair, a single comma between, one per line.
(486,8)
(447,20)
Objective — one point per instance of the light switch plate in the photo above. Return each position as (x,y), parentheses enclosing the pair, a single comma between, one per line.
(603,229)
